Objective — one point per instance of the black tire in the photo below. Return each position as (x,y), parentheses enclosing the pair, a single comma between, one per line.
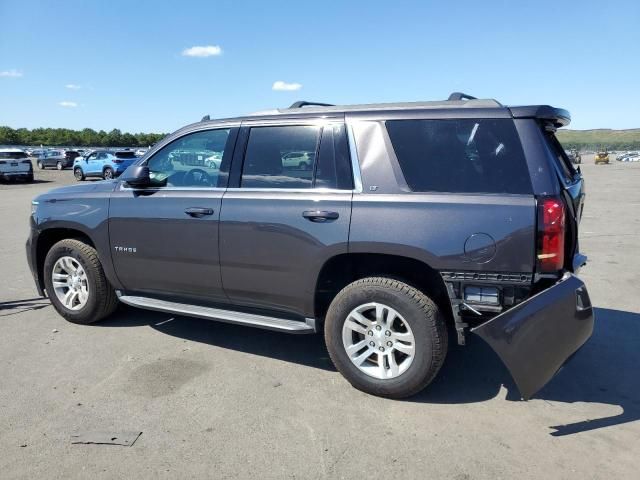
(78,173)
(102,299)
(40,165)
(59,166)
(418,310)
(107,173)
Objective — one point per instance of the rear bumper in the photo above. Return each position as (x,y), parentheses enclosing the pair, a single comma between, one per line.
(11,175)
(535,338)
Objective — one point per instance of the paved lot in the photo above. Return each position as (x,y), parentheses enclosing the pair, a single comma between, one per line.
(223,401)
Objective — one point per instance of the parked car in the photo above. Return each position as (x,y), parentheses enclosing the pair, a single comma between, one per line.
(629,157)
(107,164)
(574,156)
(601,157)
(15,165)
(299,160)
(415,220)
(54,158)
(140,152)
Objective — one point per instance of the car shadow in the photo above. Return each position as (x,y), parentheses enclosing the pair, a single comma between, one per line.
(604,371)
(308,350)
(18,306)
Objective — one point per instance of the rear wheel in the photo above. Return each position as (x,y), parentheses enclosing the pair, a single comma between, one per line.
(59,165)
(40,164)
(76,283)
(108,173)
(303,165)
(386,337)
(77,172)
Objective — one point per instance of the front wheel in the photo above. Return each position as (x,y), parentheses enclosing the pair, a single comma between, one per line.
(385,337)
(108,173)
(59,165)
(76,283)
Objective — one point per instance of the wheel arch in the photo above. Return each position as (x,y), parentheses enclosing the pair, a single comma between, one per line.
(50,236)
(343,269)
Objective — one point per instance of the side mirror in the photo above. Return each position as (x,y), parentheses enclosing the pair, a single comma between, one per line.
(136,176)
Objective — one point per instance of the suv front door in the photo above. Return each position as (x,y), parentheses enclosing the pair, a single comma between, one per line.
(164,238)
(281,222)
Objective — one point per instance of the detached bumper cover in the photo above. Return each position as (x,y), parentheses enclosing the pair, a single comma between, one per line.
(535,338)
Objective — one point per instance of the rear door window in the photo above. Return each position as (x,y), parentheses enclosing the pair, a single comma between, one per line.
(280,157)
(297,156)
(460,155)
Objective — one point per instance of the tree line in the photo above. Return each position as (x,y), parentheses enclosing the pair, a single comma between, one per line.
(78,138)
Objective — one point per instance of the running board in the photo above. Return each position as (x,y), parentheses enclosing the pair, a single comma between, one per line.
(229,316)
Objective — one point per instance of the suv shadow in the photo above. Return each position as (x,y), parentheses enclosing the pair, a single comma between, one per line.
(308,350)
(604,372)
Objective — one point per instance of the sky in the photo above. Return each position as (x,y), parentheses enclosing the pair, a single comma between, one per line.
(152,66)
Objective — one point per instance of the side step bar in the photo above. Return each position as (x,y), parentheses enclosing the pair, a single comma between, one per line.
(229,316)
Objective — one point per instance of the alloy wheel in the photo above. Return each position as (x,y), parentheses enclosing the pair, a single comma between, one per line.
(70,283)
(378,340)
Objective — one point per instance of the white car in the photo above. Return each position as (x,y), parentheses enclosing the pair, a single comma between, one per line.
(15,164)
(213,161)
(629,157)
(298,160)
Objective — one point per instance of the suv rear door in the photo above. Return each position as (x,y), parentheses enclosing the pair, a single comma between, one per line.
(281,222)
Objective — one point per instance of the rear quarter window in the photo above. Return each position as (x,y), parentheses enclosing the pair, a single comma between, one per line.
(460,155)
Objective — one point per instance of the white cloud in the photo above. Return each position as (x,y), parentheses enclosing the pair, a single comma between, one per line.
(286,87)
(203,51)
(68,104)
(73,86)
(13,73)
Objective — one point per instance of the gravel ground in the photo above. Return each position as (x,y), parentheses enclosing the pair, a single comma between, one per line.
(223,401)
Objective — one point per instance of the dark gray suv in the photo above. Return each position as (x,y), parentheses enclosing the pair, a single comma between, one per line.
(407,223)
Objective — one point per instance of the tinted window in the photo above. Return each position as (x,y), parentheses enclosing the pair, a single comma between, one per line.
(333,169)
(462,156)
(12,155)
(280,157)
(190,161)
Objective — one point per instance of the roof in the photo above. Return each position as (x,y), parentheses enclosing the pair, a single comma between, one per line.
(11,150)
(456,102)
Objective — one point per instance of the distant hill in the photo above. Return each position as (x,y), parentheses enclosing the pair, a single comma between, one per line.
(600,138)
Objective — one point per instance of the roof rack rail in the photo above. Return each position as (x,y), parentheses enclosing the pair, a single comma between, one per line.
(206,118)
(460,96)
(303,103)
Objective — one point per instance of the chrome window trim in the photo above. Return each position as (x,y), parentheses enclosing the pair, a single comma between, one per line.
(123,186)
(290,190)
(355,162)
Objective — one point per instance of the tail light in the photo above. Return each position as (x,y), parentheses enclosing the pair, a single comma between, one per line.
(551,228)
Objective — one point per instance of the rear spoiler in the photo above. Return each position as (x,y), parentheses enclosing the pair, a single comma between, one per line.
(557,116)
